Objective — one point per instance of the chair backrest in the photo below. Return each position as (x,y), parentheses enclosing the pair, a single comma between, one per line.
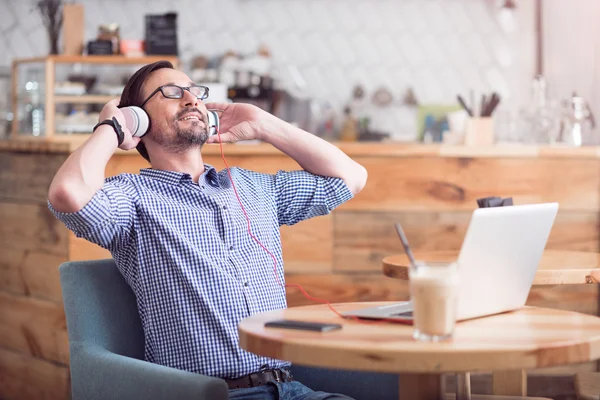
(100,307)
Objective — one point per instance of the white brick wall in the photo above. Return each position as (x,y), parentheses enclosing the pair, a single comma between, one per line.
(438,47)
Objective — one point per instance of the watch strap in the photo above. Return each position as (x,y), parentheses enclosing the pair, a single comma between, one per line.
(116,127)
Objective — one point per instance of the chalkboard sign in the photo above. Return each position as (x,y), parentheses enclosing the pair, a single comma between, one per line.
(100,47)
(161,34)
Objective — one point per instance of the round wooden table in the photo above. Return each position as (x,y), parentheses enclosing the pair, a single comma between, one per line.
(528,338)
(557,267)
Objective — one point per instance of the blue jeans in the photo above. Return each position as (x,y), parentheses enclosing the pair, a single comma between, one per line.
(283,391)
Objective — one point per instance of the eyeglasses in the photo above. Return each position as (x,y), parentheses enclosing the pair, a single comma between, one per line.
(176,92)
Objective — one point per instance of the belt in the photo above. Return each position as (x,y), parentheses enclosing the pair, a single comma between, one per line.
(260,378)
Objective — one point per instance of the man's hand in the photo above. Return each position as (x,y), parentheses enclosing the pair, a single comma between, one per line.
(110,110)
(239,122)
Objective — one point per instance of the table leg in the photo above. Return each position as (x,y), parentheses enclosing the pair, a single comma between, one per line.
(510,383)
(463,386)
(421,387)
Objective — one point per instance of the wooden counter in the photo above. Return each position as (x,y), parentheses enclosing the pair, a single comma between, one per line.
(68,143)
(430,189)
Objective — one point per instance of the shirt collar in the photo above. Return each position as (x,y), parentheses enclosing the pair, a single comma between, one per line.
(212,175)
(175,178)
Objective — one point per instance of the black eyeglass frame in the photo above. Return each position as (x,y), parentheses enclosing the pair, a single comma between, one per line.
(160,89)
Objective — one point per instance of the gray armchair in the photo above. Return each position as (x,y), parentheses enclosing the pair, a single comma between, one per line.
(106,345)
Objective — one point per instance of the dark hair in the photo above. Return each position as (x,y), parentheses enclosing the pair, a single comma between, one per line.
(132,93)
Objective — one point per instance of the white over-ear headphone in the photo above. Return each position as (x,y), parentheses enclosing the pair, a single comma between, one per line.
(138,122)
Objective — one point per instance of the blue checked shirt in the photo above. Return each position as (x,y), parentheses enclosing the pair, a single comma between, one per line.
(184,249)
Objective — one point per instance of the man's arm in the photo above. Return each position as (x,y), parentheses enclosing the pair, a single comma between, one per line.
(314,154)
(82,174)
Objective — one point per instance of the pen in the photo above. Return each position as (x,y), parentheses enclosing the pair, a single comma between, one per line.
(407,249)
(464,105)
(492,104)
(482,107)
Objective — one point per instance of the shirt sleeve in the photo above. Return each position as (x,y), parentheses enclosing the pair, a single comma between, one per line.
(300,195)
(107,219)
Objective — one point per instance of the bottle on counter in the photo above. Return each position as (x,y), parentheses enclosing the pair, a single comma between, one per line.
(349,131)
(577,125)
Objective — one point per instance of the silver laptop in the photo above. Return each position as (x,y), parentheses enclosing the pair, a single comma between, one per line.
(498,260)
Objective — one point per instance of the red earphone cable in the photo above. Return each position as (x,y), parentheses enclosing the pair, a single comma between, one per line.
(273,257)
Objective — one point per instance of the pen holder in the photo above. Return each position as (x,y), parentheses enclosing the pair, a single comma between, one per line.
(479,132)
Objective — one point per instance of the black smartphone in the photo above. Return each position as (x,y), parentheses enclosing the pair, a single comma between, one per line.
(303,325)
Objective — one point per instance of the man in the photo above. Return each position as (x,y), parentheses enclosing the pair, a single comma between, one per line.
(177,231)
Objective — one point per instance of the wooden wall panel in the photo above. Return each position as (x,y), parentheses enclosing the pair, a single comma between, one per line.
(24,377)
(31,273)
(32,226)
(578,231)
(442,183)
(27,177)
(34,327)
(308,245)
(266,164)
(81,249)
(33,243)
(10,271)
(41,276)
(338,288)
(362,239)
(120,163)
(580,298)
(439,183)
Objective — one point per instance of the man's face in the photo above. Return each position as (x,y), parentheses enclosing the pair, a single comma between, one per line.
(176,124)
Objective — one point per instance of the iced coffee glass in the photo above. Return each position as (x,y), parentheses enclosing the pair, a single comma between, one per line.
(434,294)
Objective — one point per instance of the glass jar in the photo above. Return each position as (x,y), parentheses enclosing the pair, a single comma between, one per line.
(111,33)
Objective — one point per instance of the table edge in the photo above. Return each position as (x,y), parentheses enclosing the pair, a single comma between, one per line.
(529,357)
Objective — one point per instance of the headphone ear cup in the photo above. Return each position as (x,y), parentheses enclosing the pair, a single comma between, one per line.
(213,122)
(136,120)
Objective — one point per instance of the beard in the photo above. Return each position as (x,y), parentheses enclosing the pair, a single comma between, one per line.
(194,134)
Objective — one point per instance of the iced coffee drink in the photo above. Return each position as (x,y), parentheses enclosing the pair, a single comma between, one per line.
(434,294)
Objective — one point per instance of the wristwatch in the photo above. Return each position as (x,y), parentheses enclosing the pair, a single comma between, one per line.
(116,126)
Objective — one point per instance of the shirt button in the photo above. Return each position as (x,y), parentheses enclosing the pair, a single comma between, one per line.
(230,247)
(246,284)
(203,187)
(224,207)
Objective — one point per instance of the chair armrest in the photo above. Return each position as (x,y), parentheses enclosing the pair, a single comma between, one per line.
(97,374)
